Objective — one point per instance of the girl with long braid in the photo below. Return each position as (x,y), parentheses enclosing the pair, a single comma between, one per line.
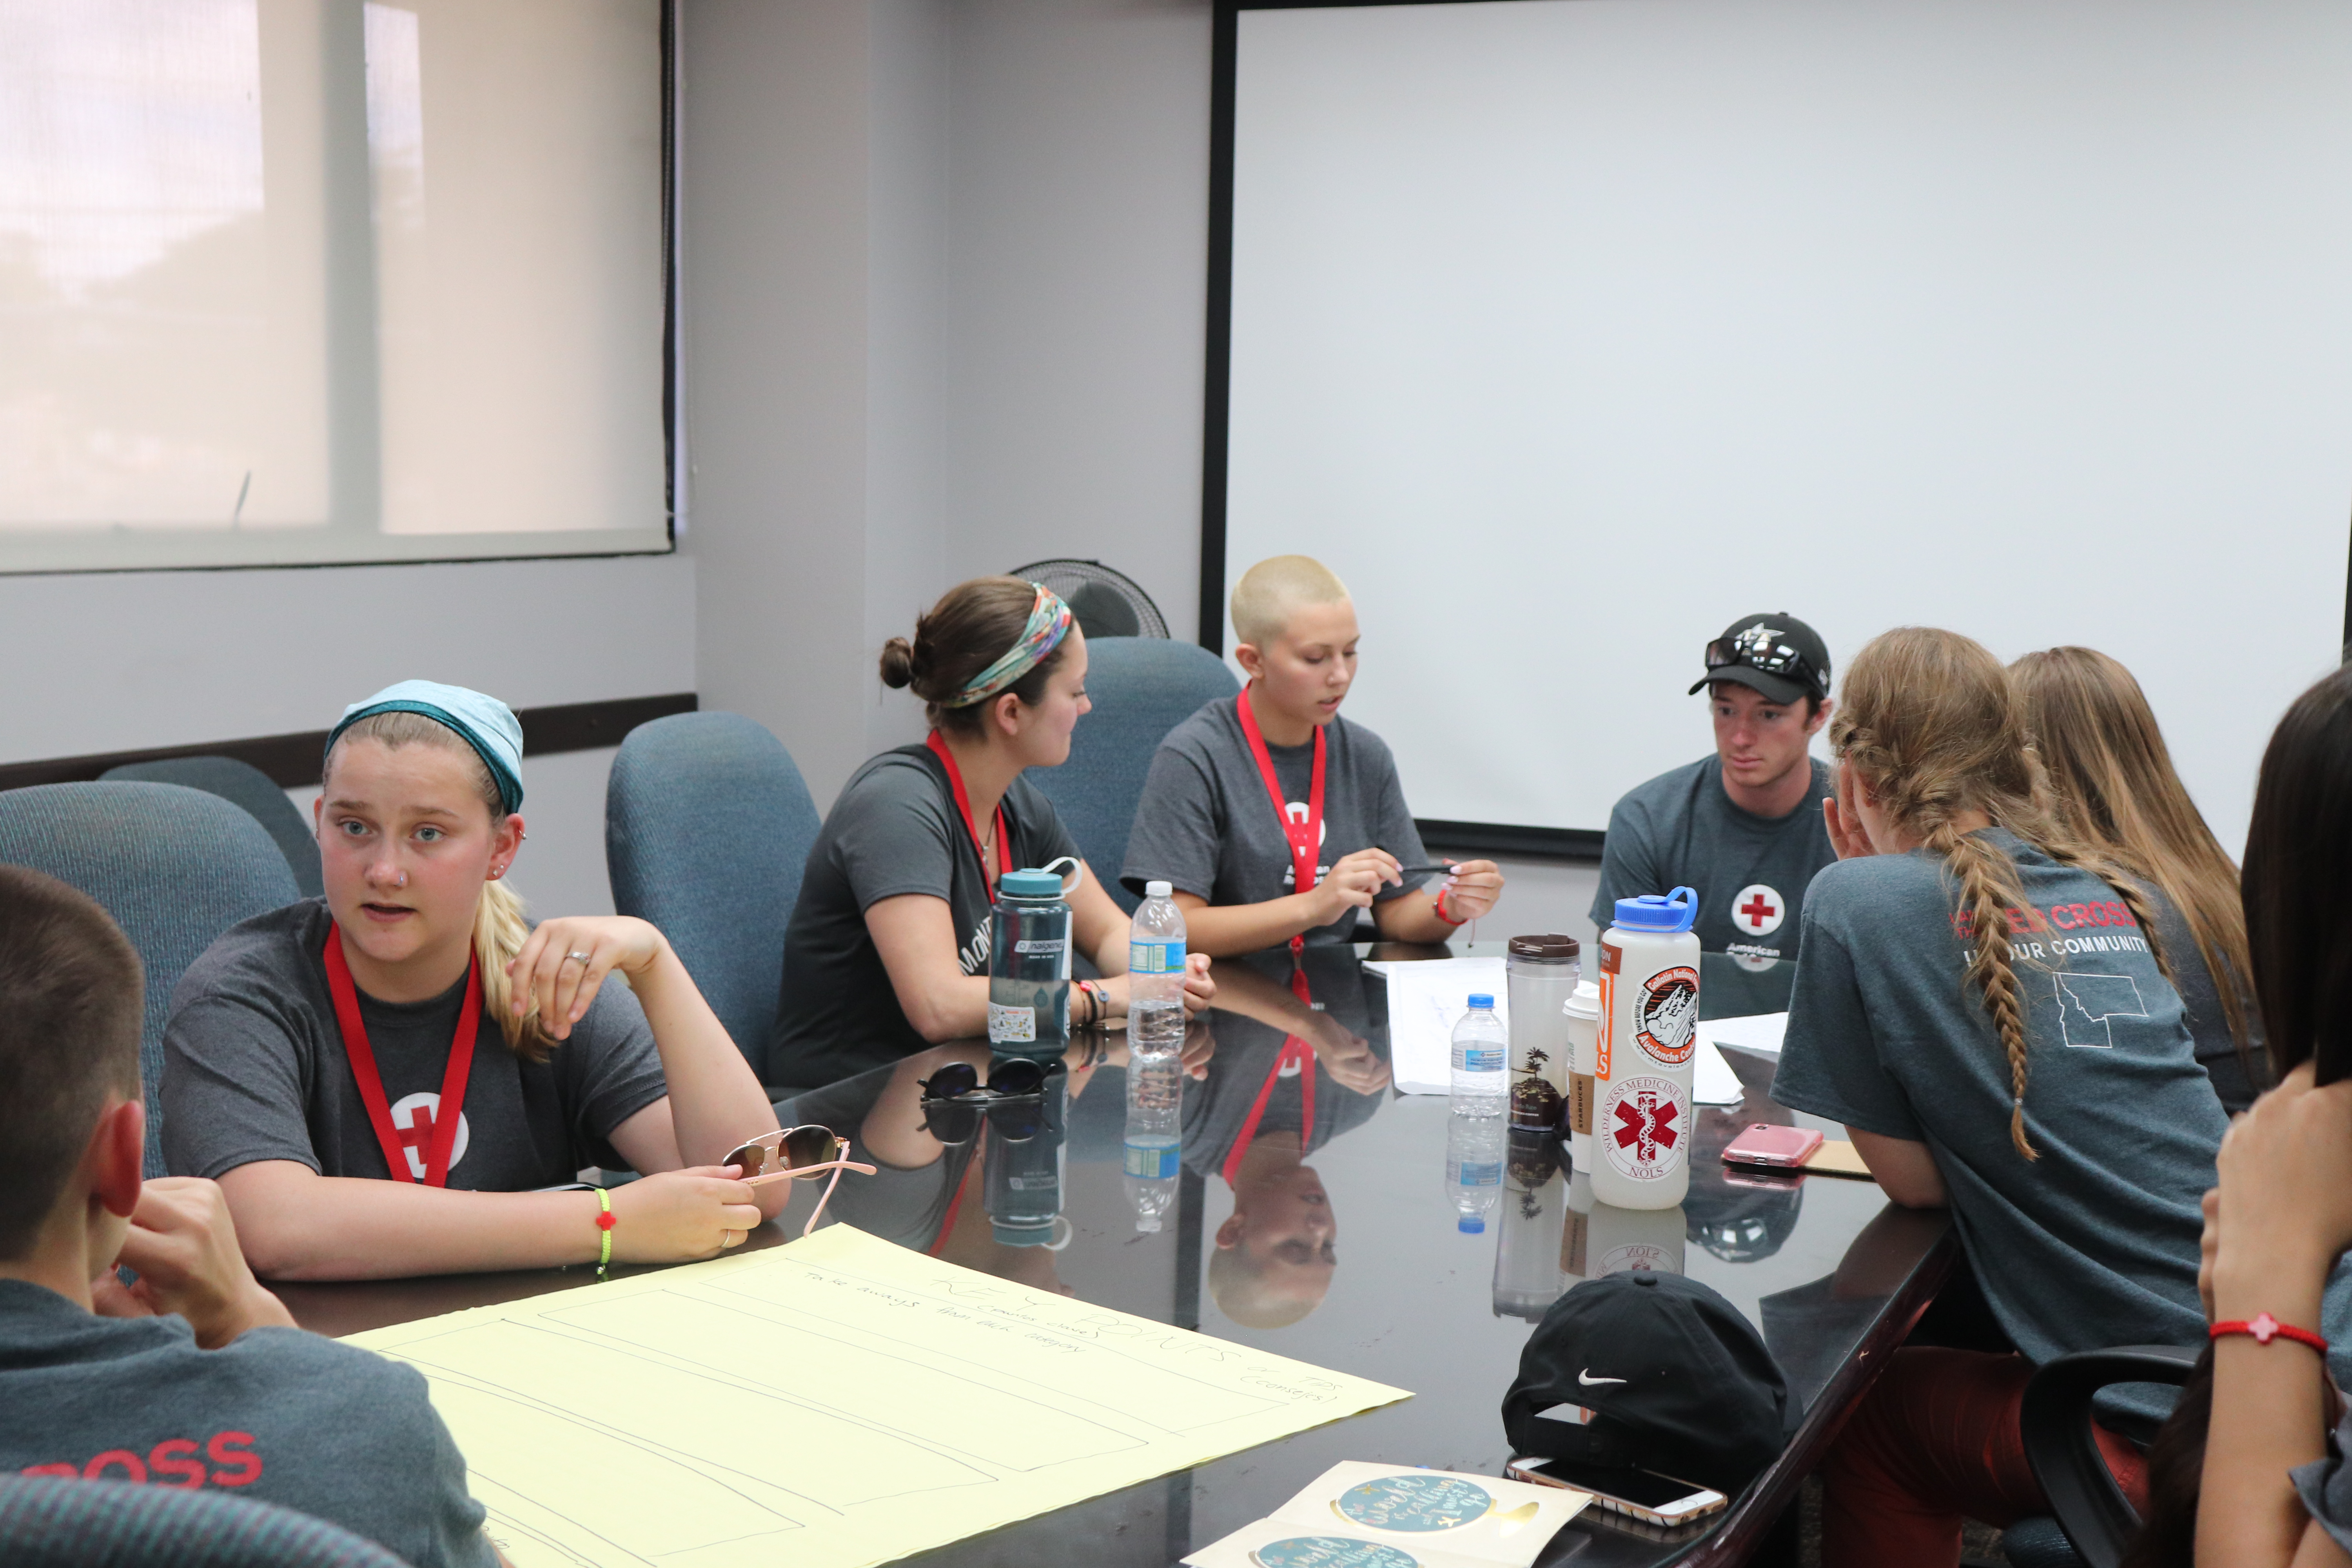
(1983,1001)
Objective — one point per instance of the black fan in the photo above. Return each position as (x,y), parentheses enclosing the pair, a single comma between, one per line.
(1107,604)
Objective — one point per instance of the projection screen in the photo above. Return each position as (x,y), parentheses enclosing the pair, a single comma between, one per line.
(1566,331)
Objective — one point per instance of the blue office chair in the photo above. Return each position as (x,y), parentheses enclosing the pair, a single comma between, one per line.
(250,788)
(707,830)
(49,1522)
(173,866)
(1142,688)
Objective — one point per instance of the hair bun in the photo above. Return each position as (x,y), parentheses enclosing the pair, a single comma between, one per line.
(898,663)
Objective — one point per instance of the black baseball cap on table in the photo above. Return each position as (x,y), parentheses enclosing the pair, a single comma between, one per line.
(1777,655)
(1675,1380)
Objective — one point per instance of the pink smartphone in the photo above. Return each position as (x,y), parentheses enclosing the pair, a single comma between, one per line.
(1765,1144)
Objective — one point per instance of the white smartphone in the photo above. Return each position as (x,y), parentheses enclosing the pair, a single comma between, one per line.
(1640,1494)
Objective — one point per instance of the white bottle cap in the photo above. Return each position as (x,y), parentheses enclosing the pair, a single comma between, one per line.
(1159,889)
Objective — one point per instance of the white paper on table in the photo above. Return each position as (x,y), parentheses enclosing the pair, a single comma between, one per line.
(1426,998)
(1444,1518)
(1714,1082)
(1757,1032)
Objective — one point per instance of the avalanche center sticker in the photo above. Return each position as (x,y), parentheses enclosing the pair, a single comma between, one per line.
(1665,1014)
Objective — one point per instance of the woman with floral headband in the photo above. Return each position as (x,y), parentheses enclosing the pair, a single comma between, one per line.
(888,950)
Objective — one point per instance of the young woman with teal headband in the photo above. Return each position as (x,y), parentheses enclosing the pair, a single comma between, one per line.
(888,950)
(317,1051)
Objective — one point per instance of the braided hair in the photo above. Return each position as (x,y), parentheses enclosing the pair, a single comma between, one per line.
(1931,724)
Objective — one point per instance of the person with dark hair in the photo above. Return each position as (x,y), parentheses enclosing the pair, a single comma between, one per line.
(886,953)
(2115,787)
(1743,825)
(2274,1489)
(194,1376)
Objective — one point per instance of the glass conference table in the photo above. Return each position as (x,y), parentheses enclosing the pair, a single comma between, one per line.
(1350,1253)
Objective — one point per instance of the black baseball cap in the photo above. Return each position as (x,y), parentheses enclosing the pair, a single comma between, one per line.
(1661,1374)
(1777,655)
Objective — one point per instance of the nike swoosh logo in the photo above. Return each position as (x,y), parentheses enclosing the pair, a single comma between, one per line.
(1586,1378)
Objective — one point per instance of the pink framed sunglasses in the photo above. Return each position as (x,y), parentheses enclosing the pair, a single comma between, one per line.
(794,1153)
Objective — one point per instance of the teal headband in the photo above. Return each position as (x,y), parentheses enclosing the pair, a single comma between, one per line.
(483,723)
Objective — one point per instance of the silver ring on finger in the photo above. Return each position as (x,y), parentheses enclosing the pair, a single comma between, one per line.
(575,958)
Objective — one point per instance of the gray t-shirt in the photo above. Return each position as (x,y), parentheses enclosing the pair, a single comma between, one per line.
(2209,1025)
(1249,1053)
(2094,1243)
(277,1416)
(1681,830)
(1206,825)
(254,1069)
(895,830)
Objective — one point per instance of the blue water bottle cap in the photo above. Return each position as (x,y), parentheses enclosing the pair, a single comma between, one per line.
(1470,1224)
(1029,884)
(1670,913)
(1480,999)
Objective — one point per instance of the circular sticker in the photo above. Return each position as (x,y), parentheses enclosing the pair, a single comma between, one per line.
(1758,910)
(1665,1014)
(1642,1125)
(1330,1551)
(1415,1503)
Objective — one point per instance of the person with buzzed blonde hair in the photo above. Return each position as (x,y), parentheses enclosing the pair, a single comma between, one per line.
(1276,820)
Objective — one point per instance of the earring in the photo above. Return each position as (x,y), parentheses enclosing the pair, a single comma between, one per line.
(496,871)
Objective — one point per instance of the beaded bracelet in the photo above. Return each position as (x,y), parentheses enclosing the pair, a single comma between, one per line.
(605,1221)
(2262,1328)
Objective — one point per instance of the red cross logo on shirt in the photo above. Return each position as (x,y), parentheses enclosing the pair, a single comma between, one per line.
(1758,909)
(412,1122)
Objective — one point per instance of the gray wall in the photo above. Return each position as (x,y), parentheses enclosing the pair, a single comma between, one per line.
(944,269)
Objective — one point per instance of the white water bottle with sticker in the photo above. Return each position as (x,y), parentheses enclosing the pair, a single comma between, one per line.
(1645,1056)
(1155,973)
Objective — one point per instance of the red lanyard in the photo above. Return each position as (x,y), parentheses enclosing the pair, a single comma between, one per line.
(441,1127)
(1294,1049)
(1305,837)
(963,804)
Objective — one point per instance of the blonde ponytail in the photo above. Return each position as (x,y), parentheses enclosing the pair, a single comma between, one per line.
(499,932)
(500,926)
(1932,724)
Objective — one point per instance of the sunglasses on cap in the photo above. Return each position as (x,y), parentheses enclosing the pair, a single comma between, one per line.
(1760,649)
(792,1153)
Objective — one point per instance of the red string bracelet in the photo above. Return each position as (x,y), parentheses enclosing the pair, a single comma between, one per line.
(2262,1328)
(1440,906)
(605,1221)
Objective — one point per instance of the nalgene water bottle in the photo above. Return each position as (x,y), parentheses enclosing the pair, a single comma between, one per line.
(1029,967)
(1642,1061)
(1025,1160)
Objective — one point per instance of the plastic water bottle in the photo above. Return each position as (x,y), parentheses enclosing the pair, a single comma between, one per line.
(1155,1104)
(1480,1045)
(1474,1165)
(1155,975)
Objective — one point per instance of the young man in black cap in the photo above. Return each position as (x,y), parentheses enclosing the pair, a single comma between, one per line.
(1743,826)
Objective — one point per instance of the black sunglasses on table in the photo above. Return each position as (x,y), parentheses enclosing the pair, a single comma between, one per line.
(1014,1099)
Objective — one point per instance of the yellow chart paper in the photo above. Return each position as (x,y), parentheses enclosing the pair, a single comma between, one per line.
(833,1403)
